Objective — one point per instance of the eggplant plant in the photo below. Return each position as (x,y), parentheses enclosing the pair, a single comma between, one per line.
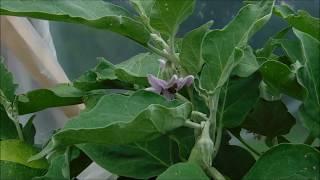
(174,111)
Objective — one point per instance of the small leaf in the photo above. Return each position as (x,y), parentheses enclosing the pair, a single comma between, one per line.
(247,64)
(121,120)
(29,131)
(95,13)
(37,100)
(287,161)
(309,75)
(167,15)
(7,85)
(237,106)
(182,171)
(269,119)
(136,69)
(279,76)
(301,20)
(191,52)
(221,51)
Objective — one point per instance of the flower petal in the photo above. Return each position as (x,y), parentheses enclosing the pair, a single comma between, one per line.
(153,90)
(186,81)
(173,81)
(156,83)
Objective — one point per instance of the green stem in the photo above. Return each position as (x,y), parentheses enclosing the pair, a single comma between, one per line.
(193,125)
(214,173)
(247,145)
(20,134)
(67,159)
(309,140)
(217,142)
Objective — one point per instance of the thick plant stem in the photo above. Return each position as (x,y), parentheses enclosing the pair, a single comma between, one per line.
(309,140)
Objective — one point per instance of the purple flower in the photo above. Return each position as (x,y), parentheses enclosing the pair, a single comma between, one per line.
(170,87)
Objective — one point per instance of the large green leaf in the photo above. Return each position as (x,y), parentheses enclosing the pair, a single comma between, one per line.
(191,52)
(139,160)
(37,100)
(309,75)
(121,120)
(7,86)
(233,161)
(235,107)
(301,20)
(167,15)
(94,13)
(269,119)
(11,170)
(14,161)
(18,152)
(182,171)
(287,161)
(136,69)
(280,77)
(145,6)
(221,51)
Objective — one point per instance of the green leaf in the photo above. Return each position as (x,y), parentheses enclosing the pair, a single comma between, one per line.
(121,120)
(237,106)
(269,119)
(7,128)
(191,52)
(233,161)
(221,51)
(287,161)
(102,76)
(94,13)
(248,64)
(145,6)
(136,69)
(309,75)
(121,76)
(11,170)
(301,20)
(271,44)
(29,131)
(37,100)
(167,15)
(55,169)
(182,171)
(280,77)
(18,152)
(7,86)
(139,160)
